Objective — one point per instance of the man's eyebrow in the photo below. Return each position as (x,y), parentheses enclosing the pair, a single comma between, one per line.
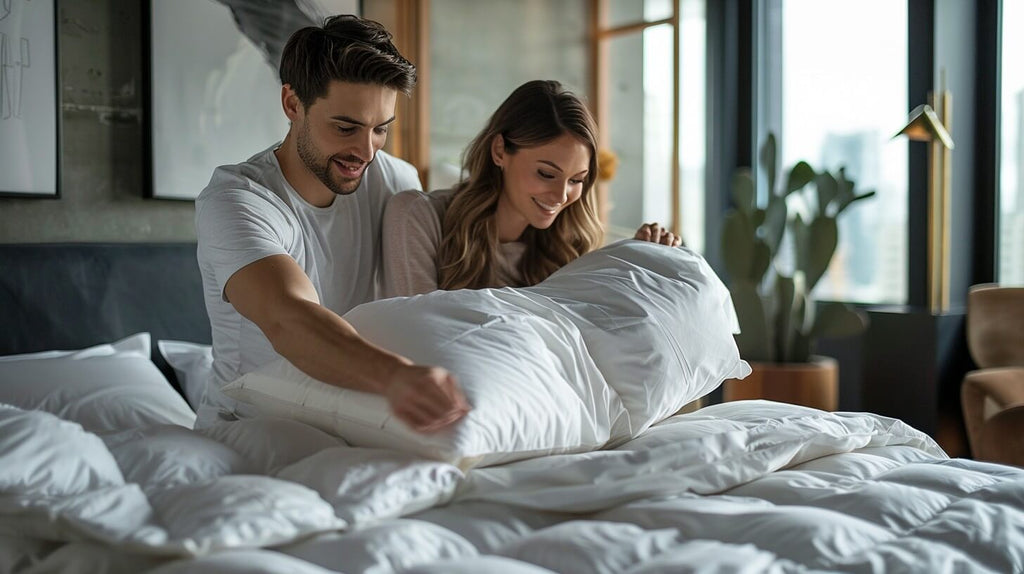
(554,165)
(354,121)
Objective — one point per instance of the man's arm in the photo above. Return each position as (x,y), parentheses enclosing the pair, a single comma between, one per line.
(275,294)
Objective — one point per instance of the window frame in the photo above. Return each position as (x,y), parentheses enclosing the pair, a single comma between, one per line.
(601,35)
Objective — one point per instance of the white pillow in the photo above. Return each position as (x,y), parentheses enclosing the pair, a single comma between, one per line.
(193,366)
(610,344)
(657,321)
(106,388)
(533,388)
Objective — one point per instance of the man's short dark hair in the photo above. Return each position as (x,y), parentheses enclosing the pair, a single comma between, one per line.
(345,48)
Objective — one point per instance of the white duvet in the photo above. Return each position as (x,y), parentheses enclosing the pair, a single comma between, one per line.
(739,487)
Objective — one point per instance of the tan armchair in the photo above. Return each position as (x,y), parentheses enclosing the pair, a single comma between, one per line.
(993,396)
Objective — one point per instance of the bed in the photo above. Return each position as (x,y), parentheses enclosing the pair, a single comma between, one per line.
(100,470)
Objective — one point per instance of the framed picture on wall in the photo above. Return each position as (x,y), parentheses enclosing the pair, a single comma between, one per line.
(214,92)
(29,99)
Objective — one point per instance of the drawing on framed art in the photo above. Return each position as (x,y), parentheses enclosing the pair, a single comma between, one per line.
(214,93)
(29,99)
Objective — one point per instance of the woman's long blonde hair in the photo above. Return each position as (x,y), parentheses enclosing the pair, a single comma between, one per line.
(536,113)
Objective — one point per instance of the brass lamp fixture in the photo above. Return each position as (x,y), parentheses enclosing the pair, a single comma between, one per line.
(930,123)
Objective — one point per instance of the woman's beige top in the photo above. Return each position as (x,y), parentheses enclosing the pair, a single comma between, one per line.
(411,235)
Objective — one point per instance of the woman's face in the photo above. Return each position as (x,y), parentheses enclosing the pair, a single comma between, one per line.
(539,182)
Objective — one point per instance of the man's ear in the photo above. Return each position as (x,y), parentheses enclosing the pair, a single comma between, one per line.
(291,103)
(498,151)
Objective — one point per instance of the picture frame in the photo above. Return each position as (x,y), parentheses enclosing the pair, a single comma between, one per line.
(30,103)
(214,97)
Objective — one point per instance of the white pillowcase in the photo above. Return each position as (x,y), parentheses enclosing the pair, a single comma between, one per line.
(105,388)
(193,366)
(610,344)
(657,321)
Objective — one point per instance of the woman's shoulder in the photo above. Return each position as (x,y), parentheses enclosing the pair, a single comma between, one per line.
(415,202)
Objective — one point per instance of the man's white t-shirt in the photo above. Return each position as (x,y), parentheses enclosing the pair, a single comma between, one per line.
(248,212)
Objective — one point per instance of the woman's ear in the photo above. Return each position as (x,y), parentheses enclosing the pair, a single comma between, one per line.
(498,151)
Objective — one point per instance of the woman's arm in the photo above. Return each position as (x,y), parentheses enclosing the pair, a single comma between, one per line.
(411,234)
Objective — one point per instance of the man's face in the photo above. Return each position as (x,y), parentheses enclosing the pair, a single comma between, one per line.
(339,134)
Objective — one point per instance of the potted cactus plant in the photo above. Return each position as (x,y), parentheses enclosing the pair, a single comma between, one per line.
(778,317)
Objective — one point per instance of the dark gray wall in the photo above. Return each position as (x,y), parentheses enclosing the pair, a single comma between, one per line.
(102,178)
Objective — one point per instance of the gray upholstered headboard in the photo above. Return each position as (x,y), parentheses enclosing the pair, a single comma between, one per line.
(74,295)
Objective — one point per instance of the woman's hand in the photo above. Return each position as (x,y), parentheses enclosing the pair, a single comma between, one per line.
(657,234)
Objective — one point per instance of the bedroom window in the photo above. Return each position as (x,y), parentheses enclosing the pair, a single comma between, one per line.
(1011,171)
(480,52)
(640,63)
(470,55)
(649,97)
(835,100)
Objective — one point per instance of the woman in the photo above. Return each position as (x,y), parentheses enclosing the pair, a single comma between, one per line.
(526,208)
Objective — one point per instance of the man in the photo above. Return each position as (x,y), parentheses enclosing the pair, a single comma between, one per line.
(290,239)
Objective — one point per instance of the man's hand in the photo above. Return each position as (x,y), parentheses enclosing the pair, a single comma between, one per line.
(275,294)
(657,234)
(426,398)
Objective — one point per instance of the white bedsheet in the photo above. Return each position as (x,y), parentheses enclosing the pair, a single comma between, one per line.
(739,487)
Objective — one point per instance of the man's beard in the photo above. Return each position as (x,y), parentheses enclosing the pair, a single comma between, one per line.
(321,166)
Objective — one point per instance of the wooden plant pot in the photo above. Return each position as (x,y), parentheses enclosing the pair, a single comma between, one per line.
(813,384)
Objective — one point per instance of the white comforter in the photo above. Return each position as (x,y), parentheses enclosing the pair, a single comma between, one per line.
(739,487)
